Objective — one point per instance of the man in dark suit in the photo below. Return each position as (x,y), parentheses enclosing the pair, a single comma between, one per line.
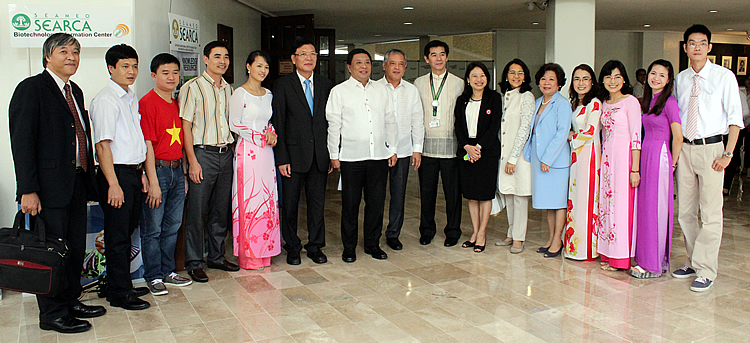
(299,108)
(51,142)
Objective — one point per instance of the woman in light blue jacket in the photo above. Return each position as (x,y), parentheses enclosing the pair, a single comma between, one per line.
(549,153)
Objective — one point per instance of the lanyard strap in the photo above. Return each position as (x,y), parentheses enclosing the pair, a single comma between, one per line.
(435,97)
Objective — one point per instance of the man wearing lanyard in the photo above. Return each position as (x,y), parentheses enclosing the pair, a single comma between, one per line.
(710,107)
(121,150)
(439,90)
(204,109)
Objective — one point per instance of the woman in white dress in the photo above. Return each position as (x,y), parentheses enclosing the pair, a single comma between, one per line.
(514,177)
(579,234)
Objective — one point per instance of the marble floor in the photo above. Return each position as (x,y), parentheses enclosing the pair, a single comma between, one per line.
(432,294)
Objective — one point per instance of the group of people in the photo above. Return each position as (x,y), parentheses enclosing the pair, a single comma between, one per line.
(601,163)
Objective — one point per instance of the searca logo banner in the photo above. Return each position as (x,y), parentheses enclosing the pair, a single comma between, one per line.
(93,26)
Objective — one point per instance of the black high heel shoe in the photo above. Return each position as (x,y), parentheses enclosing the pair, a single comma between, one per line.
(478,248)
(468,244)
(550,254)
(542,250)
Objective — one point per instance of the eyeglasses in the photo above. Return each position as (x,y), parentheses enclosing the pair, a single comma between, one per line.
(697,44)
(520,73)
(585,78)
(305,54)
(616,78)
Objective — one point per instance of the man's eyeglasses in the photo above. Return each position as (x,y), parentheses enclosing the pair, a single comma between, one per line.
(305,54)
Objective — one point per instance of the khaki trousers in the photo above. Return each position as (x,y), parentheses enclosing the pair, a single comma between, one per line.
(699,193)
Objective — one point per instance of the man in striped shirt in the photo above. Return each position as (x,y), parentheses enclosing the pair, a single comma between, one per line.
(204,109)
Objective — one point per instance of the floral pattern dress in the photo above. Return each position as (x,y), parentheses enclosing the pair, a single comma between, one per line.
(580,234)
(621,129)
(255,212)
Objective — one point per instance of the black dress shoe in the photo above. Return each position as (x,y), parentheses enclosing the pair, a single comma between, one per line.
(130,302)
(66,324)
(317,256)
(225,265)
(425,240)
(376,253)
(349,256)
(292,258)
(198,275)
(450,241)
(394,243)
(86,311)
(140,291)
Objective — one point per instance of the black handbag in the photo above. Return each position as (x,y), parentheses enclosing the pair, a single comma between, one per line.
(30,261)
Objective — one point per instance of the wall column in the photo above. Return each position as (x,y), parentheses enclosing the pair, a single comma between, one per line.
(571,36)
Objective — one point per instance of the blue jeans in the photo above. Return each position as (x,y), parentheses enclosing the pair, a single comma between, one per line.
(160,224)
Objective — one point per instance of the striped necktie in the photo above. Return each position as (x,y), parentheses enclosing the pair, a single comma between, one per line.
(691,127)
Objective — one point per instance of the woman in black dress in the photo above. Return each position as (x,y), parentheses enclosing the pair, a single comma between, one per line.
(478,114)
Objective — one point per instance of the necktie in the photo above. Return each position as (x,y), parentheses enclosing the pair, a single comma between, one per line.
(80,133)
(691,127)
(308,95)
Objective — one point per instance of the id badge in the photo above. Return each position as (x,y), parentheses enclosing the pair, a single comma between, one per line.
(434,123)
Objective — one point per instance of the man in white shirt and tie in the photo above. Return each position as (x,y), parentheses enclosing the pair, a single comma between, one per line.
(710,107)
(362,136)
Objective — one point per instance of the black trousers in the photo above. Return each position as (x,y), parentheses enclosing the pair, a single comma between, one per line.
(208,208)
(314,181)
(398,175)
(119,224)
(447,169)
(370,176)
(68,223)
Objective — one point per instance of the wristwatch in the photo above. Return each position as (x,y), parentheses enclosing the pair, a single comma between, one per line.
(728,154)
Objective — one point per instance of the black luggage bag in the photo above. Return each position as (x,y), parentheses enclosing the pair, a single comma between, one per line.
(30,261)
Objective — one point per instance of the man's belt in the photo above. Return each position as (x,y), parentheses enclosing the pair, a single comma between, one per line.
(703,141)
(220,149)
(170,164)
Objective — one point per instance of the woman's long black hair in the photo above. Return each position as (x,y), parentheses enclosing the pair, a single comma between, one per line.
(665,93)
(593,92)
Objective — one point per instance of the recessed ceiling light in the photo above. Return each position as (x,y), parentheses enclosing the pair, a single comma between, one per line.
(408,8)
(407,23)
(535,23)
(646,25)
(730,29)
(340,40)
(378,35)
(712,11)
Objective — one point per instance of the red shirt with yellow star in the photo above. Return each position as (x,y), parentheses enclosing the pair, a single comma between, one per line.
(161,124)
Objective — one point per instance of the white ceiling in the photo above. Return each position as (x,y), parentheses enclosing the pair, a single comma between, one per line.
(359,21)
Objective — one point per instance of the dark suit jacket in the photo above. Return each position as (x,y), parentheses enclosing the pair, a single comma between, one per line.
(42,138)
(301,134)
(488,125)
